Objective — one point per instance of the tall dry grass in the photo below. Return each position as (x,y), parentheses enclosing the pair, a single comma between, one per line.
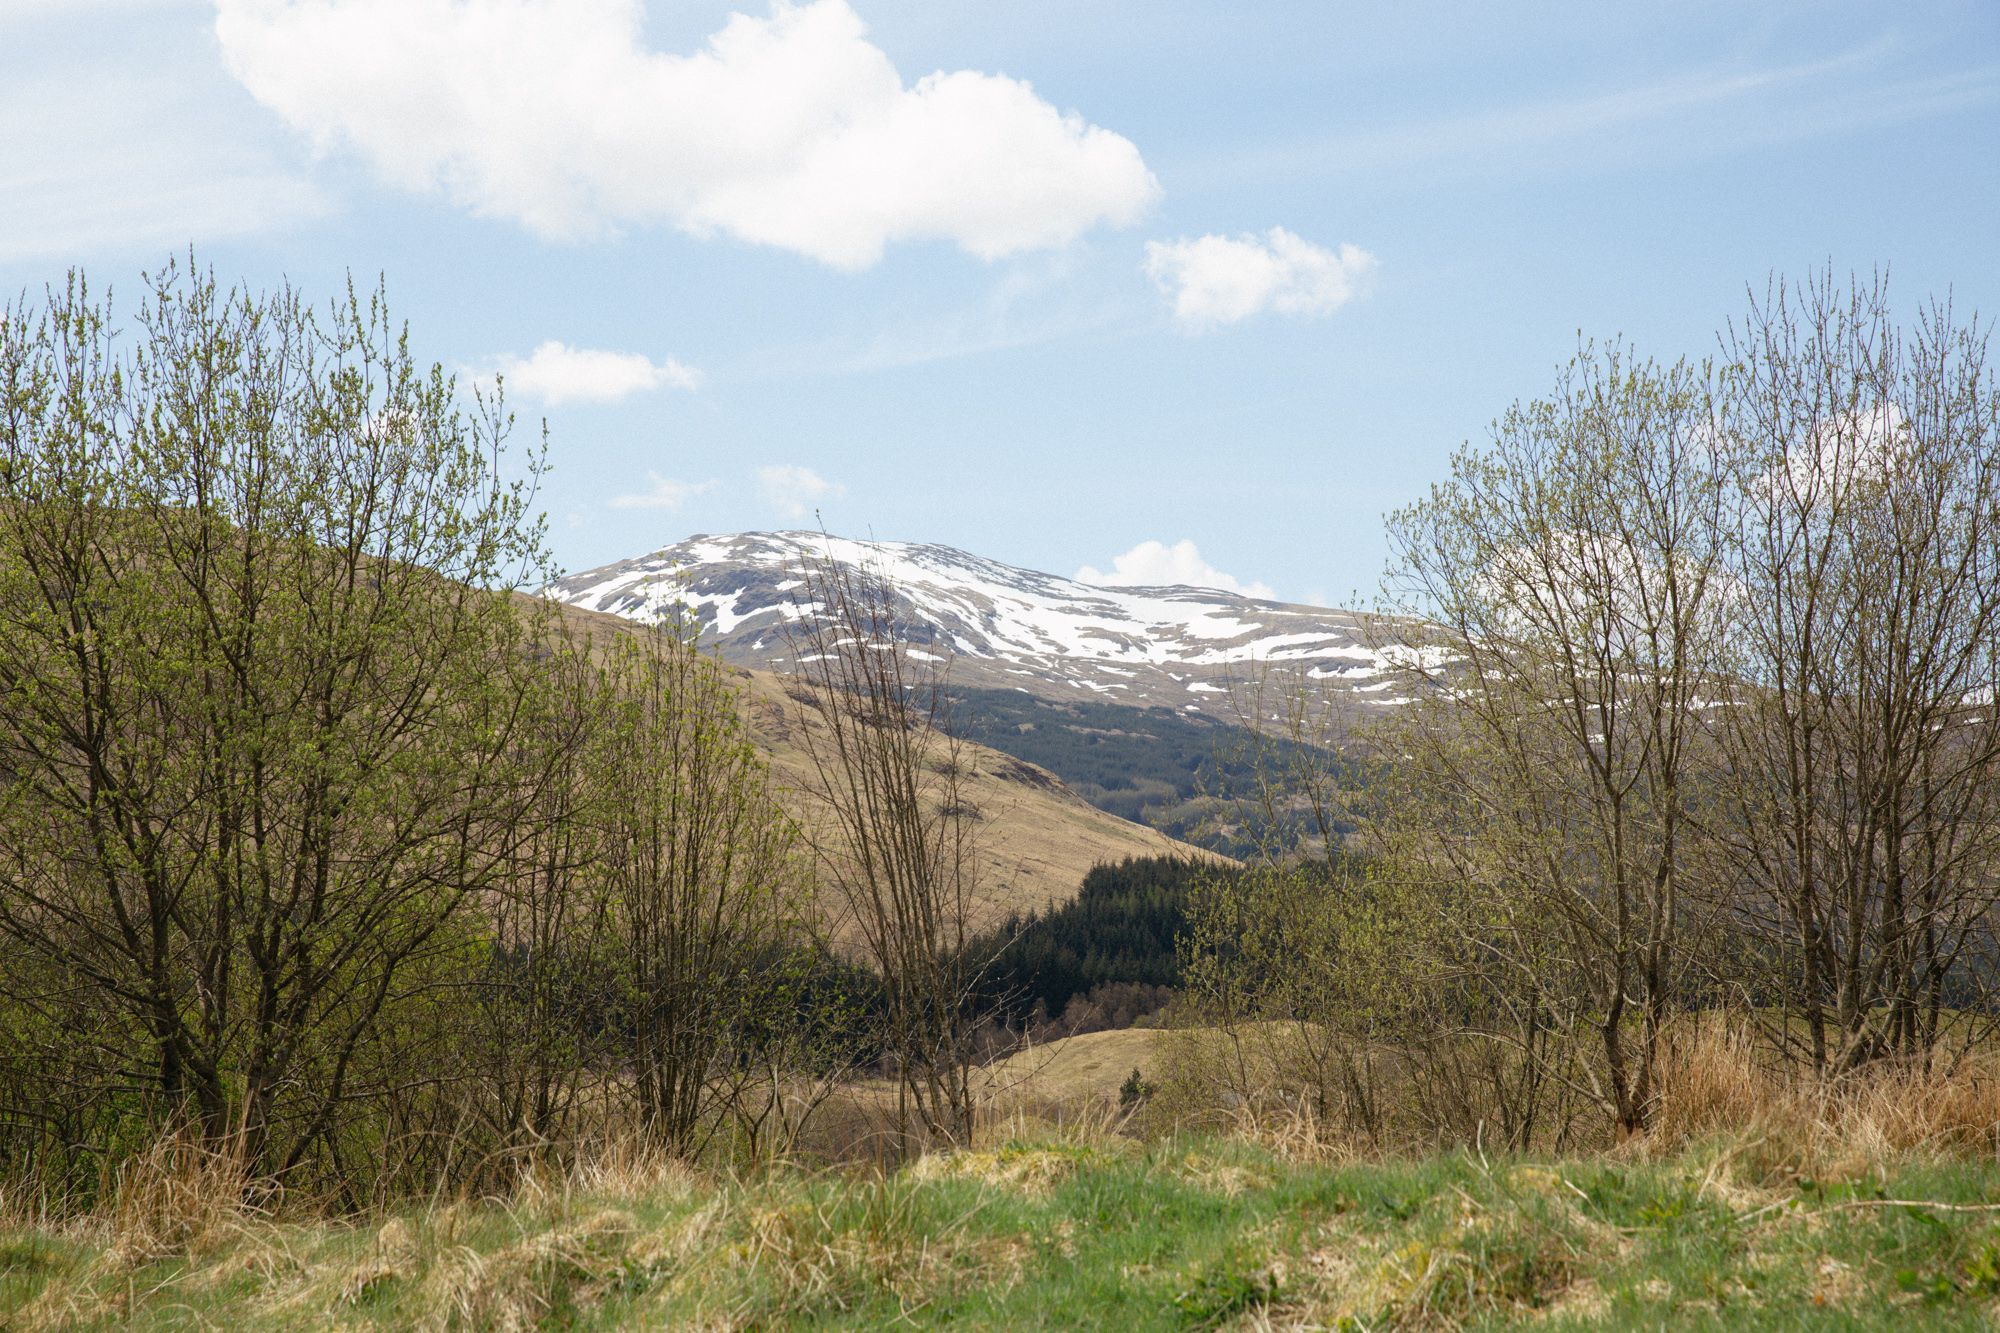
(1721,1094)
(1719,1087)
(567,1239)
(179,1196)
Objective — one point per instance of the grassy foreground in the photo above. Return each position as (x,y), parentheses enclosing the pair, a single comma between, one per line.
(1187,1233)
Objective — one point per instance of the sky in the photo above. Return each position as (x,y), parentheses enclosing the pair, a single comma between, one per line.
(1141,290)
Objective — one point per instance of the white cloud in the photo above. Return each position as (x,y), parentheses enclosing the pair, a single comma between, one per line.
(1156,564)
(1836,453)
(557,373)
(796,491)
(666,494)
(1223,279)
(790,130)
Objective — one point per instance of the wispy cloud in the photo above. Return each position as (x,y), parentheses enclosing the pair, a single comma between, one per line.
(1032,302)
(796,491)
(115,156)
(1694,112)
(665,493)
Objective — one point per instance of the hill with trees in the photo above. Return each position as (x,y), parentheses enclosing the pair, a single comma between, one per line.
(1106,958)
(1193,776)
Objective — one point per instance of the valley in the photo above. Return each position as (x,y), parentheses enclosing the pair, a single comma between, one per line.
(1035,838)
(1144,702)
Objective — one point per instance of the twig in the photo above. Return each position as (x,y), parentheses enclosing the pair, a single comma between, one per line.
(1850,1205)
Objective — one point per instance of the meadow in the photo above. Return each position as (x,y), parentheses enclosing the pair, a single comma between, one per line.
(1746,1207)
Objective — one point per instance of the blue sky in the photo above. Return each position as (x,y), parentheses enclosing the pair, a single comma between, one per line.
(1206,286)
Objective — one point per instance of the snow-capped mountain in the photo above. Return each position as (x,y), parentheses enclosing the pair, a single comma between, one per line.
(999,625)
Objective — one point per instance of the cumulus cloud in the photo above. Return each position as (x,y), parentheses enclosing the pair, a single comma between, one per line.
(666,493)
(1156,564)
(558,373)
(791,130)
(796,491)
(1837,452)
(1214,280)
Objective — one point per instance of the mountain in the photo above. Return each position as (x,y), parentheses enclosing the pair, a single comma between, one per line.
(1002,627)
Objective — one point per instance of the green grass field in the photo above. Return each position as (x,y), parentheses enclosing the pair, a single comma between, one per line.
(1186,1233)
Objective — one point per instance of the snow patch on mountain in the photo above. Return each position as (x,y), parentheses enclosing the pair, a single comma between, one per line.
(997,620)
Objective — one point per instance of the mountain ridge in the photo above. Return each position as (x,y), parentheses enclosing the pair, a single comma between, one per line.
(1000,625)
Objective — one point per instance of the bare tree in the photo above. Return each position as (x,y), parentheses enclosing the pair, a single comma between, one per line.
(1862,748)
(1702,667)
(1290,960)
(895,836)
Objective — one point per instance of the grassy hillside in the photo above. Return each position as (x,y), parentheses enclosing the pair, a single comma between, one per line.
(1167,768)
(1047,1231)
(1076,1069)
(1037,838)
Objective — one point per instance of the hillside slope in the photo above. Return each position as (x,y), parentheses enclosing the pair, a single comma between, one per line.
(1036,839)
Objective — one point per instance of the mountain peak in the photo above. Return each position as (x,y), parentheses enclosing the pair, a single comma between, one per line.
(1000,625)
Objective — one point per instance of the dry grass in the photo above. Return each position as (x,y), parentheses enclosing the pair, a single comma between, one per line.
(629,1170)
(1032,1152)
(1091,1066)
(523,1284)
(178,1197)
(1052,1225)
(1716,1086)
(1757,1199)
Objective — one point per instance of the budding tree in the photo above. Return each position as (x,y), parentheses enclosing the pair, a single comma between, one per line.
(1861,748)
(1568,573)
(260,693)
